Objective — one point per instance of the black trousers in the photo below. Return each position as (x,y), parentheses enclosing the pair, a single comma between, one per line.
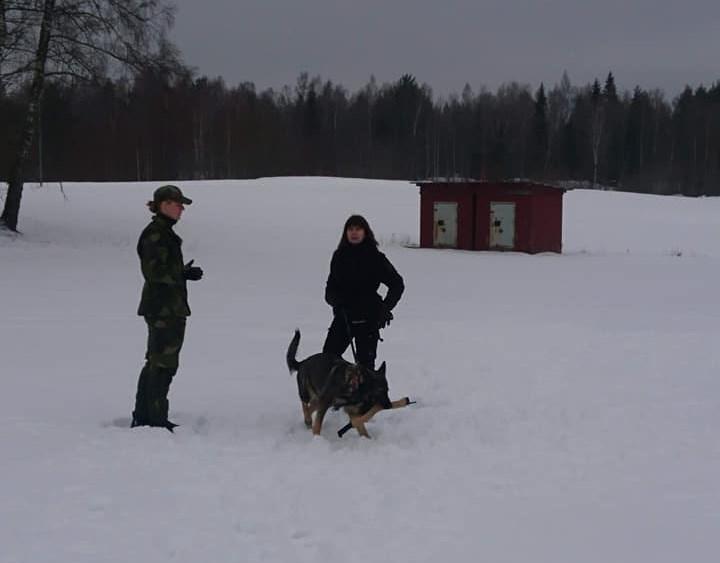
(365,333)
(165,340)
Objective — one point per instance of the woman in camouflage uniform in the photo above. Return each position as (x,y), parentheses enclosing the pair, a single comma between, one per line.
(163,304)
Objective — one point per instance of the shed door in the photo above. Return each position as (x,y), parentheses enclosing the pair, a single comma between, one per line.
(502,225)
(445,224)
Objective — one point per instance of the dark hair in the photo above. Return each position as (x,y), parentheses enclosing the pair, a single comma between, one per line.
(153,207)
(358,221)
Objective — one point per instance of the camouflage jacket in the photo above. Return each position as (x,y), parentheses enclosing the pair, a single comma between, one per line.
(161,261)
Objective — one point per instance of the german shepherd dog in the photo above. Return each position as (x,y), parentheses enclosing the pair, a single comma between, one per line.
(327,381)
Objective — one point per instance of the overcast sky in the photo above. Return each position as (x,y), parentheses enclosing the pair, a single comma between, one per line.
(446,43)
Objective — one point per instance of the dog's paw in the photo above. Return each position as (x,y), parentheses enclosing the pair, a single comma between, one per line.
(318,441)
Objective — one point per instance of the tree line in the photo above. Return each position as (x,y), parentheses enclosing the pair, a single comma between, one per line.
(93,90)
(173,126)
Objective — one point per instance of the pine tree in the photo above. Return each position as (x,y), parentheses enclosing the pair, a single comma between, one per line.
(596,127)
(610,91)
(614,132)
(538,142)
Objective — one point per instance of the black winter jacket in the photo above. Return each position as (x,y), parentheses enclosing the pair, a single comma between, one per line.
(356,272)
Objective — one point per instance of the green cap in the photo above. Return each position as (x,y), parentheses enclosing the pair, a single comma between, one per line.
(170,193)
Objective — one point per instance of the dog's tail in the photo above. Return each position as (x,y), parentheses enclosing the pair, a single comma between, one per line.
(292,363)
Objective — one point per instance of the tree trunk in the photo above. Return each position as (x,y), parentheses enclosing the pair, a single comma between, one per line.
(3,37)
(41,172)
(11,211)
(596,132)
(228,149)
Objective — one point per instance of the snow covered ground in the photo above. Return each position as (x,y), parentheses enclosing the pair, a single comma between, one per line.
(569,405)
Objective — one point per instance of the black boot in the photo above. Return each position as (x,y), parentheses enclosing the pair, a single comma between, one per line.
(137,421)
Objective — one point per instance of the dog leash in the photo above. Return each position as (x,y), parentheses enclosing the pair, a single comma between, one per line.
(349,333)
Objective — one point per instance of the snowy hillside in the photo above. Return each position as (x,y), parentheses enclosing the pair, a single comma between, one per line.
(569,405)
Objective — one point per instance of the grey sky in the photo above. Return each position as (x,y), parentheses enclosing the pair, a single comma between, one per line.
(446,43)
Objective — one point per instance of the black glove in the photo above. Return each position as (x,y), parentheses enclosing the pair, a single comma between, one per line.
(192,273)
(385,316)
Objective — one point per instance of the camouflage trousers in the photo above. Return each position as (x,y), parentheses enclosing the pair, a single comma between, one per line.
(165,340)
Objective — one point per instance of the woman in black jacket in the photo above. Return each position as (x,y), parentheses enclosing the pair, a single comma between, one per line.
(356,271)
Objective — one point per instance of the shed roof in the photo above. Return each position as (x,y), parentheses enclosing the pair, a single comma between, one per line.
(471,182)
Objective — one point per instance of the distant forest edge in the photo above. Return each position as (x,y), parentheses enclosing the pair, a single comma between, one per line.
(163,125)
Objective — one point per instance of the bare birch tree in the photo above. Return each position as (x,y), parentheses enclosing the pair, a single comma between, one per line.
(75,40)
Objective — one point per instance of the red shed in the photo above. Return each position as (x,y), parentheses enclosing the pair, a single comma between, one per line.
(475,215)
